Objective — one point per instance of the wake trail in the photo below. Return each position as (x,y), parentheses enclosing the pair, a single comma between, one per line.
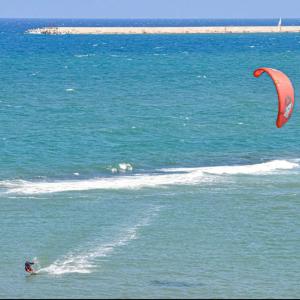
(84,261)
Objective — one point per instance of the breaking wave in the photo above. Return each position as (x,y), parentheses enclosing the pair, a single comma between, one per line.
(163,177)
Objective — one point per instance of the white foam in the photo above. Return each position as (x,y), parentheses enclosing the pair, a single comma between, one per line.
(173,176)
(123,167)
(255,169)
(84,261)
(114,170)
(83,55)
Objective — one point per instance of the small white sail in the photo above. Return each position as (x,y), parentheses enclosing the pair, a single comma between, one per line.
(279,23)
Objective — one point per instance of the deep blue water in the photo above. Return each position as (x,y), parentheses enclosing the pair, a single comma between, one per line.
(147,165)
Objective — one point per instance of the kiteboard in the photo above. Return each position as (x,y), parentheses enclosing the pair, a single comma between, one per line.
(32,273)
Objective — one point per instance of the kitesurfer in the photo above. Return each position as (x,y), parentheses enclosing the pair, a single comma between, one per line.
(28,267)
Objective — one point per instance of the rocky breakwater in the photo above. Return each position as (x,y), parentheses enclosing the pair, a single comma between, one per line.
(165,30)
(46,30)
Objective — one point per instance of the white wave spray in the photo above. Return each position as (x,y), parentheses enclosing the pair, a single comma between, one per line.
(84,261)
(164,177)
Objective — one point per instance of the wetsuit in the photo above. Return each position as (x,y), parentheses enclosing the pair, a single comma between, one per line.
(28,265)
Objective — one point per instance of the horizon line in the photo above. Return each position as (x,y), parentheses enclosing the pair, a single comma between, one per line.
(144,18)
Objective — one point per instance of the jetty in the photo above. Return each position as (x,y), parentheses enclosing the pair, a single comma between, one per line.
(164,30)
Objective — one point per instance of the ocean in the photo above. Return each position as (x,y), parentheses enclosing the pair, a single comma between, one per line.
(147,165)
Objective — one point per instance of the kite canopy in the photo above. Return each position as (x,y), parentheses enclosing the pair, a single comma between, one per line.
(285,93)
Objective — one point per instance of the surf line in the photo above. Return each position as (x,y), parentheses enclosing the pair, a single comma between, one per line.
(166,177)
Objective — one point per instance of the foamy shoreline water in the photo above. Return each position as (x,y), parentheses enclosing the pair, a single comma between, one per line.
(164,30)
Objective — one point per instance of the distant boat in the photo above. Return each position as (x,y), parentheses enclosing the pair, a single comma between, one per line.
(279,23)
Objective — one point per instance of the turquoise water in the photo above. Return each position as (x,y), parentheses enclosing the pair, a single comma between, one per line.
(147,165)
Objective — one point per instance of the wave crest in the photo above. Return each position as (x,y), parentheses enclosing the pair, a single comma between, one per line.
(164,177)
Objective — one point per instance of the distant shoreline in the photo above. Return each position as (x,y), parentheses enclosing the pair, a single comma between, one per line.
(164,30)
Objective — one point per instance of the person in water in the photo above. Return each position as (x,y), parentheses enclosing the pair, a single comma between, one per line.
(28,267)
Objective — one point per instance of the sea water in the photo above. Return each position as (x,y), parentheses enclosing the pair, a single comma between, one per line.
(147,165)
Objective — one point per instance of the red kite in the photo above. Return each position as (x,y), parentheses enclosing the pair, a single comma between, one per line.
(285,92)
